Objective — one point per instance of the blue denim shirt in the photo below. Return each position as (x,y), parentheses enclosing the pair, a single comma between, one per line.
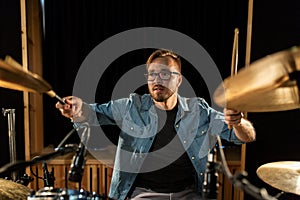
(197,125)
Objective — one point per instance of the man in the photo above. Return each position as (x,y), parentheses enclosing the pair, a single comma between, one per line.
(165,138)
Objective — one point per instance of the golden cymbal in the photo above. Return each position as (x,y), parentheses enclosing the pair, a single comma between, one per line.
(14,76)
(263,86)
(284,175)
(10,190)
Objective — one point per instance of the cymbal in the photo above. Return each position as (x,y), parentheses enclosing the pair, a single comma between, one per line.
(14,76)
(264,86)
(284,175)
(10,190)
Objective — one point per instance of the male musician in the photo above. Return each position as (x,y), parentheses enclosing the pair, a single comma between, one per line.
(165,138)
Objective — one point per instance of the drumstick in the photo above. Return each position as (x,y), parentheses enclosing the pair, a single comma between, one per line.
(52,94)
(234,58)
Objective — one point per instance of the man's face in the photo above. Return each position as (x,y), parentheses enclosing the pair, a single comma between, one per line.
(161,87)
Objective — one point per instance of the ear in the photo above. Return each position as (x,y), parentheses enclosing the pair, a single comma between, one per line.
(179,81)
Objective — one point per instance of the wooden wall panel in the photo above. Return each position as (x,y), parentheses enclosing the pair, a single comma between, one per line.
(97,177)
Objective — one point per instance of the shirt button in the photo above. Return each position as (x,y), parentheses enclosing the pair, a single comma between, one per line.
(131,128)
(177,125)
(184,141)
(193,157)
(201,174)
(203,131)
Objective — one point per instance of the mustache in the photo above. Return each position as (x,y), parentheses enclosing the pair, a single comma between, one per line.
(158,86)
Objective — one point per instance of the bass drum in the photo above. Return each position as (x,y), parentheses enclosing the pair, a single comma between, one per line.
(62,194)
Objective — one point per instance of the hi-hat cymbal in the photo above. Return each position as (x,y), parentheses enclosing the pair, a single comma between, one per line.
(263,86)
(14,76)
(10,190)
(284,175)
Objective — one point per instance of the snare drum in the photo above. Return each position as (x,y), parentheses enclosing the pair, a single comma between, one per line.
(61,194)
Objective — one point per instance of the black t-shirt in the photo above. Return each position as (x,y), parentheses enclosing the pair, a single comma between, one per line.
(176,176)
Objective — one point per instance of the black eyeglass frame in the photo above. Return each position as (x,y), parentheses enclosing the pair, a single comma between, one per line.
(160,75)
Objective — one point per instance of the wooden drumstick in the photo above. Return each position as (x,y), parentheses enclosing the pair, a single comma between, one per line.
(234,58)
(52,94)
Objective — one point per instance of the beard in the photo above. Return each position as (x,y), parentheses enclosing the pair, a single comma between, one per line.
(161,96)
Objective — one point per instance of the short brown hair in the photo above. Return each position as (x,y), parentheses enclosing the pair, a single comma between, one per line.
(160,53)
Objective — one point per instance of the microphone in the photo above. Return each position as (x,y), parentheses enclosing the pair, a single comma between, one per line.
(48,176)
(211,177)
(78,162)
(77,166)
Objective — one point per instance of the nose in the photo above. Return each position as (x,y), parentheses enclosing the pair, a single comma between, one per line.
(157,79)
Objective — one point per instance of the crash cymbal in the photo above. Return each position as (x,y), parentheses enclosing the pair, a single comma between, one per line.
(14,76)
(264,86)
(284,175)
(10,190)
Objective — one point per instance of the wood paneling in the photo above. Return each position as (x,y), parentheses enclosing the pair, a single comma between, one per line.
(97,176)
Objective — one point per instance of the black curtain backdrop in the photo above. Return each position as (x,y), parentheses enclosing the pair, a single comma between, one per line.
(10,44)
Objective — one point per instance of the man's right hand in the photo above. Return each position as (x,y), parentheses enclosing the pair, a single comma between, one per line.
(72,108)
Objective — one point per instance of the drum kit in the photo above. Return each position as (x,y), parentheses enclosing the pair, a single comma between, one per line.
(269,84)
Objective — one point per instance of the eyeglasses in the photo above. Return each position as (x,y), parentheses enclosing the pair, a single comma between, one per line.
(163,75)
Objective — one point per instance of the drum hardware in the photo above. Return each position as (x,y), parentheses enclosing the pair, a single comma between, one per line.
(10,113)
(238,180)
(50,193)
(211,177)
(25,179)
(48,176)
(78,162)
(76,172)
(38,159)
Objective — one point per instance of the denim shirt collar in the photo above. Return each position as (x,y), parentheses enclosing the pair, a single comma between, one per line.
(147,102)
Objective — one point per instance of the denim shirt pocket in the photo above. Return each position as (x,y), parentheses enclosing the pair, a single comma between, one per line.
(201,133)
(132,128)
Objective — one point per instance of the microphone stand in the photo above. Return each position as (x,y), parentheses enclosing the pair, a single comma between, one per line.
(15,176)
(78,161)
(211,177)
(240,180)
(60,150)
(48,176)
(38,159)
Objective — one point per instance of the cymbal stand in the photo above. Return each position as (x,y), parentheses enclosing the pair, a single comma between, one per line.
(240,179)
(10,113)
